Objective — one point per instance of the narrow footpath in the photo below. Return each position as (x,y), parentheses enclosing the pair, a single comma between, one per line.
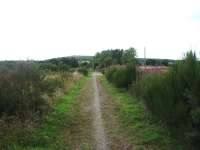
(100,135)
(95,125)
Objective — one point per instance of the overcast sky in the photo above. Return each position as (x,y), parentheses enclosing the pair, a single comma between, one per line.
(40,29)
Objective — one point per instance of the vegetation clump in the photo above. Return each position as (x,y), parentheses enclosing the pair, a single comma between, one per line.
(27,96)
(83,70)
(21,91)
(118,65)
(174,98)
(59,64)
(121,77)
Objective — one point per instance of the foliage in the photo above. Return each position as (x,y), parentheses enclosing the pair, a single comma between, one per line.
(174,98)
(85,64)
(50,134)
(114,57)
(111,57)
(109,73)
(107,58)
(155,62)
(25,94)
(121,77)
(129,56)
(26,91)
(21,90)
(151,62)
(54,81)
(138,123)
(83,70)
(59,64)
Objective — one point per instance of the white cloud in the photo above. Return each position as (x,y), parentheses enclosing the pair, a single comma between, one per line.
(42,29)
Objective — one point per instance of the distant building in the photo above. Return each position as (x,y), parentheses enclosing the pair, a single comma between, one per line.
(152,69)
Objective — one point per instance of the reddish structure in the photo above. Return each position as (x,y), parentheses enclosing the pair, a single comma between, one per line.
(153,69)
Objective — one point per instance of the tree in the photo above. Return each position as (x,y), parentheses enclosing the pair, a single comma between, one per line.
(129,56)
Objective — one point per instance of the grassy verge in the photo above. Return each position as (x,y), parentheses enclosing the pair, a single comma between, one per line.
(146,133)
(50,135)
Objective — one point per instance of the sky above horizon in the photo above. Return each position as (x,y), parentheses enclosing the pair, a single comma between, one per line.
(42,29)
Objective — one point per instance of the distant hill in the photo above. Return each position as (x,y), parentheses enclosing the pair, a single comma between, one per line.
(73,61)
(77,57)
(83,58)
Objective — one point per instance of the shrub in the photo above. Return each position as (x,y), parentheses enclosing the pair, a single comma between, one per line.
(25,99)
(21,90)
(55,81)
(83,71)
(109,73)
(121,77)
(174,98)
(51,84)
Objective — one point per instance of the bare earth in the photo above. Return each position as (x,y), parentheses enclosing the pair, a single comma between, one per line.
(100,136)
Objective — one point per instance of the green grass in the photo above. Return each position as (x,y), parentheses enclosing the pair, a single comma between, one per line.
(146,133)
(51,133)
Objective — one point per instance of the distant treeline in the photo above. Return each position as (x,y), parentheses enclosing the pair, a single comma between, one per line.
(55,64)
(155,61)
(62,64)
(107,58)
(110,57)
(100,60)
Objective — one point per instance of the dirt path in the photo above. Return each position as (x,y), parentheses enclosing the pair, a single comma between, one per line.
(100,136)
(117,135)
(95,125)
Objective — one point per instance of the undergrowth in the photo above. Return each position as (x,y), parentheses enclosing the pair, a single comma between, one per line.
(50,134)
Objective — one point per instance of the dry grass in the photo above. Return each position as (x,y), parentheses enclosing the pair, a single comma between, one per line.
(68,81)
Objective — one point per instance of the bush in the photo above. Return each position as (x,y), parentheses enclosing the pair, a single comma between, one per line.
(21,90)
(25,99)
(109,73)
(121,77)
(160,99)
(51,84)
(83,71)
(174,98)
